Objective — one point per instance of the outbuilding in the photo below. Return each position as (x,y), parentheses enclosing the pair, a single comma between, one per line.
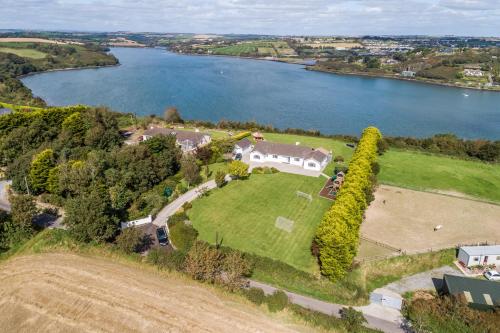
(243,146)
(469,256)
(479,294)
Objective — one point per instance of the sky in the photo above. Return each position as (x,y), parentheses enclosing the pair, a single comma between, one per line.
(277,17)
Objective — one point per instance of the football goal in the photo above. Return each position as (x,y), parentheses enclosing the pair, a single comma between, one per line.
(284,224)
(305,195)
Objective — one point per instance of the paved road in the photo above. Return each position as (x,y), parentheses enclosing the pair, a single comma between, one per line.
(331,309)
(170,209)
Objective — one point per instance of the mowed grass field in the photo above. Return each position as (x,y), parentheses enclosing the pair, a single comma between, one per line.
(26,53)
(417,170)
(420,171)
(244,212)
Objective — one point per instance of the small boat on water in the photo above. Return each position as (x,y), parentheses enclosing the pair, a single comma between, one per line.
(465,95)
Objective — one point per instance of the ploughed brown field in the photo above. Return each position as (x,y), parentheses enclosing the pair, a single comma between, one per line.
(405,219)
(71,293)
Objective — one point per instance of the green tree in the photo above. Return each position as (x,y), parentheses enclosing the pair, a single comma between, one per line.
(40,169)
(172,115)
(23,211)
(190,169)
(89,216)
(220,178)
(238,169)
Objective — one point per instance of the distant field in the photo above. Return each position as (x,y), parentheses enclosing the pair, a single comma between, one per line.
(246,212)
(26,53)
(440,173)
(29,40)
(329,45)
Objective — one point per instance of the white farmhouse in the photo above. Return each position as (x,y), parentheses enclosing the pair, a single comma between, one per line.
(187,140)
(479,255)
(302,156)
(473,72)
(242,147)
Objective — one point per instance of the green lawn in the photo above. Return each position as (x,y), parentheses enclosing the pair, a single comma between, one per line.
(417,170)
(26,53)
(244,212)
(422,171)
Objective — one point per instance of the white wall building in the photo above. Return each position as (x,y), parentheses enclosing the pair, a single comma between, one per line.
(302,156)
(187,140)
(479,255)
(473,72)
(242,147)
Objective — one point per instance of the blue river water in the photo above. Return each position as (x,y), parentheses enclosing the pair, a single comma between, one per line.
(284,95)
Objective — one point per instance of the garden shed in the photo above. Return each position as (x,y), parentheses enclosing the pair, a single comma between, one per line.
(469,256)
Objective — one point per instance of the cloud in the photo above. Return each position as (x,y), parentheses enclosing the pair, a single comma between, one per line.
(348,17)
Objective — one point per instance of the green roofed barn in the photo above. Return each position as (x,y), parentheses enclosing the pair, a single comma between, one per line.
(480,294)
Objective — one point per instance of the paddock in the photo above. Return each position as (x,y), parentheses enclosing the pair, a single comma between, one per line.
(406,219)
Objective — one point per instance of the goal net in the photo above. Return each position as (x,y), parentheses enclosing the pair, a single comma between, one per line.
(305,195)
(284,224)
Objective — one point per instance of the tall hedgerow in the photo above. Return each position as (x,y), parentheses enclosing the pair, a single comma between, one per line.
(337,236)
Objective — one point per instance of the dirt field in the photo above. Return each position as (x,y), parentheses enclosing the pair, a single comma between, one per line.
(71,293)
(407,219)
(29,40)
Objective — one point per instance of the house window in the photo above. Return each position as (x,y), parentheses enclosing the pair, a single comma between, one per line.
(256,157)
(476,258)
(296,159)
(275,156)
(311,165)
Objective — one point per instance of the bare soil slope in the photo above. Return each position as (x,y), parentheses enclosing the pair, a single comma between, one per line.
(405,219)
(71,293)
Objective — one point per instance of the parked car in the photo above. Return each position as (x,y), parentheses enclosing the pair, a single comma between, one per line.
(492,275)
(161,234)
(238,157)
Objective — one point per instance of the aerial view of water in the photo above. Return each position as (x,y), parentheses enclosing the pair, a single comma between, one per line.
(284,95)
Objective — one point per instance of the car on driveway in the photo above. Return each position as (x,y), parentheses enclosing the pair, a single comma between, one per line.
(161,234)
(492,275)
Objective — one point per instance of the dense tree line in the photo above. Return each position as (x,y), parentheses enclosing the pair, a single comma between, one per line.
(74,157)
(337,236)
(450,144)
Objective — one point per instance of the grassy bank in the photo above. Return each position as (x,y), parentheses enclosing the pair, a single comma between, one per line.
(422,171)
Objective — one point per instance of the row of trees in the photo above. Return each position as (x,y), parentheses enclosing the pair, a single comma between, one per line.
(337,237)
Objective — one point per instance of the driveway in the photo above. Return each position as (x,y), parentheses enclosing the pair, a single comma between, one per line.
(170,209)
(376,320)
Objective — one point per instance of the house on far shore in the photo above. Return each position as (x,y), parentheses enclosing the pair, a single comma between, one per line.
(301,156)
(479,294)
(469,256)
(408,74)
(473,72)
(187,140)
(242,147)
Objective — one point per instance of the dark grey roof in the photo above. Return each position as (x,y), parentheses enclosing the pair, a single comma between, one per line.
(481,291)
(244,143)
(181,136)
(283,149)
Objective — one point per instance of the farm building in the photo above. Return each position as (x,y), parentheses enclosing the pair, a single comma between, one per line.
(479,255)
(187,140)
(243,146)
(302,156)
(480,294)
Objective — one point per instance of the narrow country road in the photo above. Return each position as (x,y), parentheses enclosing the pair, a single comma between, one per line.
(170,209)
(330,309)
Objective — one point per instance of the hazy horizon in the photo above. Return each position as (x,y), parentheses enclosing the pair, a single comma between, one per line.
(472,18)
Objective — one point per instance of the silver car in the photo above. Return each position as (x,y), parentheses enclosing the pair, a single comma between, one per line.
(492,275)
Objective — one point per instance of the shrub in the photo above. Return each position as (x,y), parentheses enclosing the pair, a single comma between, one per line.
(130,240)
(187,205)
(258,170)
(182,235)
(274,170)
(203,262)
(277,301)
(255,295)
(238,169)
(235,268)
(338,159)
(337,236)
(220,178)
(353,319)
(172,260)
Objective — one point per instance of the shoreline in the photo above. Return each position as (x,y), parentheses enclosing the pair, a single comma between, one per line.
(66,69)
(310,68)
(381,76)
